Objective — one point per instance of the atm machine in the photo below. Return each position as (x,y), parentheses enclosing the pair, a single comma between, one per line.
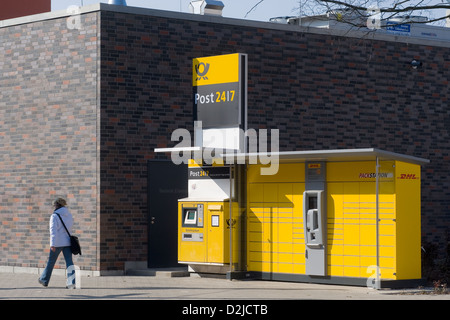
(206,223)
(314,217)
(203,237)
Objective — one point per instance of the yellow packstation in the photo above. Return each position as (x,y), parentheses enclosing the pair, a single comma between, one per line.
(323,216)
(333,216)
(339,216)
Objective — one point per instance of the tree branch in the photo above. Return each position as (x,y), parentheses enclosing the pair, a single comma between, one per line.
(254,7)
(393,9)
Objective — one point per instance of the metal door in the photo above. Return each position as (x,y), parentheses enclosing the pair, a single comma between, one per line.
(167,183)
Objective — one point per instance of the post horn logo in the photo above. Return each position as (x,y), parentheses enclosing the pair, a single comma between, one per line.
(231,223)
(202,74)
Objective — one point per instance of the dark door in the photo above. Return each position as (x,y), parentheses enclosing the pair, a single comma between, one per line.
(167,183)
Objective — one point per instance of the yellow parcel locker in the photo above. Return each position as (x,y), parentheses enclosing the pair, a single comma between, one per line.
(369,201)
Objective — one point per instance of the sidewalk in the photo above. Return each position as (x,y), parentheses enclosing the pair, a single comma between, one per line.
(25,286)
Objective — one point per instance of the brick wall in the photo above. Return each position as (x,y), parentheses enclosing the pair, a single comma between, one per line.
(145,95)
(48,137)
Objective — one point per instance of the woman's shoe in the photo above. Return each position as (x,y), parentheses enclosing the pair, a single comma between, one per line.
(42,282)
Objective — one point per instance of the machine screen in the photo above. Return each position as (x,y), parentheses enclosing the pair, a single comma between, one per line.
(191,217)
(312,202)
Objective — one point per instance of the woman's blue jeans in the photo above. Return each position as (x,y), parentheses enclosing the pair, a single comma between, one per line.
(53,256)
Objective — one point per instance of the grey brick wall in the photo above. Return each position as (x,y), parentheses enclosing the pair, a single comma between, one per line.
(48,137)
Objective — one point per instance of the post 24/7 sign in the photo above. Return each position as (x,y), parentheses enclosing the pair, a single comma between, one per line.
(219,90)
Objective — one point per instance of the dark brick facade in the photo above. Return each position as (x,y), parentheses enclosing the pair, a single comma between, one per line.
(131,87)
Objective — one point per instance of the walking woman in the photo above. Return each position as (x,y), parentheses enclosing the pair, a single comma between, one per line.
(59,241)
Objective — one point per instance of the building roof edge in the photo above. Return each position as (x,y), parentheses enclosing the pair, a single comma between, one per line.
(360,34)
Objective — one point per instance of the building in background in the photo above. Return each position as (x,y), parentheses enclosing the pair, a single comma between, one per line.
(20,8)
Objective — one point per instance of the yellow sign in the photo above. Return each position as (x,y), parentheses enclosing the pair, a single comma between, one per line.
(215,70)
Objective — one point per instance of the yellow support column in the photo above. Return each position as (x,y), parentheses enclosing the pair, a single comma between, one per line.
(408,241)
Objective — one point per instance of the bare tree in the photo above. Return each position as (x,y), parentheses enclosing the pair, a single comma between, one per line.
(356,11)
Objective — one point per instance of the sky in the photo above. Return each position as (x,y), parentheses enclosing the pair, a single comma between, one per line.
(233,8)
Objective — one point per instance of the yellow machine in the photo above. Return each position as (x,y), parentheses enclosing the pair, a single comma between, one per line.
(338,216)
(207,227)
(203,236)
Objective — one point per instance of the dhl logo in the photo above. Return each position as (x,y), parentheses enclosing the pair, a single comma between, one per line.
(408,176)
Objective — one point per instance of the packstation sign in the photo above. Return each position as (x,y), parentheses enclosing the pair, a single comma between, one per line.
(219,88)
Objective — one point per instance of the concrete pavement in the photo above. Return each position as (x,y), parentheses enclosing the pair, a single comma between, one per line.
(25,286)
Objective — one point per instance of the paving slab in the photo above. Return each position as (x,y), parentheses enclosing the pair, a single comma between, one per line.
(25,286)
